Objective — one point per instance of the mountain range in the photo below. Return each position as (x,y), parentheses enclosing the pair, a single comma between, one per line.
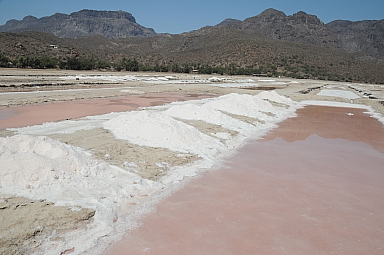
(110,24)
(298,45)
(360,36)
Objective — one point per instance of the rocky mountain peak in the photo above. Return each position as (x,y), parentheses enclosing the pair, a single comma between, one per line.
(103,14)
(110,24)
(29,18)
(360,36)
(299,27)
(272,13)
(307,18)
(227,22)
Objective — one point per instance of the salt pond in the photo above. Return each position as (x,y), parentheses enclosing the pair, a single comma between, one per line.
(311,186)
(68,175)
(210,129)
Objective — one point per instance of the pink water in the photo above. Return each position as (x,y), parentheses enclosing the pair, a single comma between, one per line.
(313,186)
(37,114)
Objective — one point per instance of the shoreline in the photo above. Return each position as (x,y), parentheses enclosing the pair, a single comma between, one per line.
(285,193)
(22,116)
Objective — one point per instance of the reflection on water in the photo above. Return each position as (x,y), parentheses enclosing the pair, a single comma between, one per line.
(312,186)
(6,113)
(38,114)
(332,123)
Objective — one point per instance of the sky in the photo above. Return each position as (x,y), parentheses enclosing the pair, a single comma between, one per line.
(177,16)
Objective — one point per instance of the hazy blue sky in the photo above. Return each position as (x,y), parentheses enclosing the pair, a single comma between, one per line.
(177,16)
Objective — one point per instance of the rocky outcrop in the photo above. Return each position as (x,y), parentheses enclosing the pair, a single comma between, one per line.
(227,22)
(366,36)
(110,24)
(361,36)
(300,27)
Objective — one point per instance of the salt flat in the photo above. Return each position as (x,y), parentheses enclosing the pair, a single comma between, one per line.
(121,164)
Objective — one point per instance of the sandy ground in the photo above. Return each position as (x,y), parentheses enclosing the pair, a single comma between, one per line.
(24,222)
(25,97)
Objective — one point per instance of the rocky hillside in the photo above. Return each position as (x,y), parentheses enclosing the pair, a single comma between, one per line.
(110,24)
(227,22)
(272,43)
(366,37)
(360,36)
(300,27)
(242,52)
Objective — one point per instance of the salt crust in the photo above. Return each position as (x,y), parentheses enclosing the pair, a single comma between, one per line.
(39,167)
(43,168)
(157,129)
(338,93)
(225,82)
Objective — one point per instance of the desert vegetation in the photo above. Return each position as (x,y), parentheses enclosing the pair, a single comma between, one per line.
(207,51)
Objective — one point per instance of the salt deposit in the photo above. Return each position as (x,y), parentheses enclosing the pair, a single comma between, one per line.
(275,97)
(36,166)
(53,91)
(333,103)
(156,79)
(268,80)
(160,130)
(338,93)
(52,161)
(114,78)
(62,127)
(205,113)
(250,106)
(43,168)
(236,85)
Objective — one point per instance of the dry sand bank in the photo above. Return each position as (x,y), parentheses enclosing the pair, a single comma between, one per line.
(25,222)
(143,161)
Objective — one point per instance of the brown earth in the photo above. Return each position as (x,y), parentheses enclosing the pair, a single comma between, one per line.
(25,222)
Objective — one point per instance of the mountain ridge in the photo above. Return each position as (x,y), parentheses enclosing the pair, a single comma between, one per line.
(110,24)
(299,27)
(298,45)
(360,36)
(365,36)
(354,36)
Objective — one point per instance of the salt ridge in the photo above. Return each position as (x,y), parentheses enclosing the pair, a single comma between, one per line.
(38,167)
(43,168)
(160,130)
(205,113)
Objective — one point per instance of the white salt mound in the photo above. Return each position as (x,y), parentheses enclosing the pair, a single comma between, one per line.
(205,113)
(275,97)
(246,105)
(42,168)
(160,130)
(157,128)
(39,161)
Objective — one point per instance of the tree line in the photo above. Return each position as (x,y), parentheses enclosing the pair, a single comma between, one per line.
(294,68)
(125,64)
